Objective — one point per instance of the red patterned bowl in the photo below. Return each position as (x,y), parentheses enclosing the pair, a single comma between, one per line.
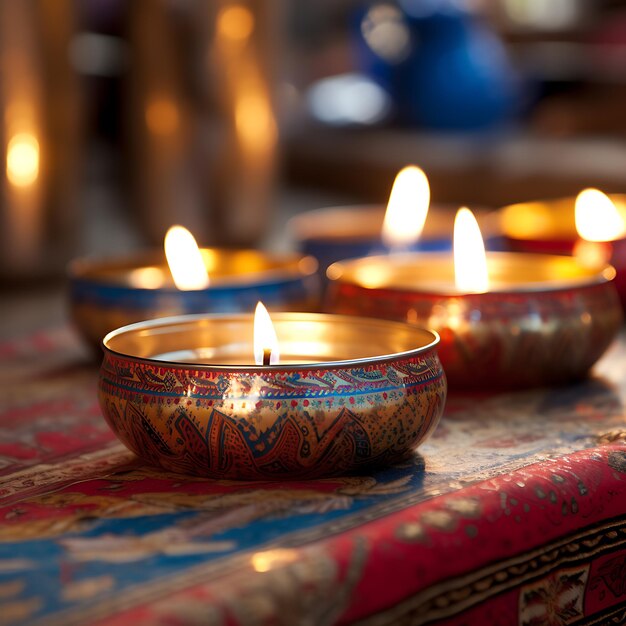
(367,392)
(546,321)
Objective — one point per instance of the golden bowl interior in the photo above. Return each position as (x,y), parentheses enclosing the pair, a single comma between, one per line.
(545,220)
(227,340)
(433,272)
(149,270)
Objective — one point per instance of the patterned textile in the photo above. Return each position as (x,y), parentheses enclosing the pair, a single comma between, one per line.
(514,512)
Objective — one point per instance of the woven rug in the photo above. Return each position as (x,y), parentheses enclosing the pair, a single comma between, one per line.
(514,512)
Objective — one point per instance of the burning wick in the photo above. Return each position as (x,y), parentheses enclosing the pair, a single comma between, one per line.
(266,349)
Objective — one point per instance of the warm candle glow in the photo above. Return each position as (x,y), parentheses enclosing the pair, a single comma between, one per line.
(254,119)
(265,340)
(270,559)
(597,218)
(22,160)
(592,254)
(235,22)
(185,260)
(162,117)
(146,277)
(470,261)
(407,208)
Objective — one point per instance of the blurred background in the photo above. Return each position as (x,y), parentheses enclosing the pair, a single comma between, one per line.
(122,118)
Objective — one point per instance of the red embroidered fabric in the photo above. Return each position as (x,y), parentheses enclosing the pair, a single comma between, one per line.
(512,513)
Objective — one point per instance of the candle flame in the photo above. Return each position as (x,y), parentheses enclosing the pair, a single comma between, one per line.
(185,260)
(470,260)
(265,339)
(22,163)
(597,218)
(407,208)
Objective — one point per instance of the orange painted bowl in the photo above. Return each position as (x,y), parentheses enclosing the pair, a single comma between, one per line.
(105,294)
(544,226)
(546,319)
(349,393)
(549,226)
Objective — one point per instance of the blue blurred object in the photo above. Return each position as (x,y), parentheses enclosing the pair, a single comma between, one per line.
(328,251)
(443,66)
(337,233)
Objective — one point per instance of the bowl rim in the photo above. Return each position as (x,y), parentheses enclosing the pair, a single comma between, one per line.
(271,369)
(86,270)
(564,233)
(319,224)
(603,275)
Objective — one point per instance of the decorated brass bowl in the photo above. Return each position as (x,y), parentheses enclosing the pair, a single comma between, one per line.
(545,226)
(549,226)
(546,319)
(349,392)
(346,232)
(107,294)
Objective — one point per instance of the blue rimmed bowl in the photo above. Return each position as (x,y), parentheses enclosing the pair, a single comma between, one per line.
(106,294)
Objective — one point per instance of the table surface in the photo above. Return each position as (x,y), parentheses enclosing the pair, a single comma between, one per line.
(473,527)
